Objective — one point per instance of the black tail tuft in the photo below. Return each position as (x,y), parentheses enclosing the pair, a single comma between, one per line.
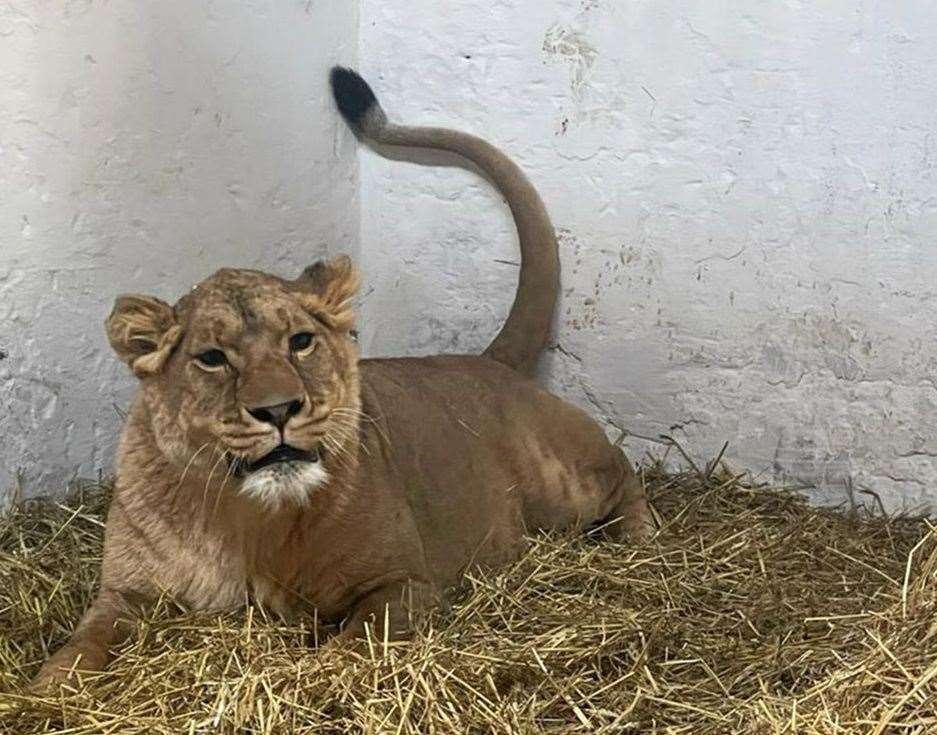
(353,95)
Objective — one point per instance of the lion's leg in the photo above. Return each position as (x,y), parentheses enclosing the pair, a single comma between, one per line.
(388,612)
(105,624)
(631,518)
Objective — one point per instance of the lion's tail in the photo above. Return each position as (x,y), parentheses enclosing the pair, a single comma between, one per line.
(527,329)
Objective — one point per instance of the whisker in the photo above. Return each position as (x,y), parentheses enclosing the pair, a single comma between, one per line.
(310,422)
(334,445)
(348,441)
(352,432)
(224,481)
(336,449)
(345,430)
(188,465)
(339,457)
(241,445)
(208,481)
(244,434)
(355,412)
(358,413)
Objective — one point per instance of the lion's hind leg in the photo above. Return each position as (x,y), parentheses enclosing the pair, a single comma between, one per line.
(630,519)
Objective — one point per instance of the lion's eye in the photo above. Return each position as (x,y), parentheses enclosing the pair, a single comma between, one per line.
(301,341)
(212,359)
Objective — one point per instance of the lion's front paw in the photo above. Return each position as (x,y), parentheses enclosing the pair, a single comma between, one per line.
(63,665)
(634,526)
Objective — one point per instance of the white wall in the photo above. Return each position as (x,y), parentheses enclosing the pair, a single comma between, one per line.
(142,146)
(746,193)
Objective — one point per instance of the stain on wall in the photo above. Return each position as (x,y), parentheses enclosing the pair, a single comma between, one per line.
(570,45)
(746,210)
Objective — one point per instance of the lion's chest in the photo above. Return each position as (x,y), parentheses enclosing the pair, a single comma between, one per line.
(204,575)
(214,572)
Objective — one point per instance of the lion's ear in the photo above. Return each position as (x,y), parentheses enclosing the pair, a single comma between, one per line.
(328,290)
(143,332)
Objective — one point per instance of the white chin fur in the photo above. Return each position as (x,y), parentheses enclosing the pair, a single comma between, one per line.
(287,482)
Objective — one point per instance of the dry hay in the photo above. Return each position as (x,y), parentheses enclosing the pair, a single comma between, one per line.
(750,613)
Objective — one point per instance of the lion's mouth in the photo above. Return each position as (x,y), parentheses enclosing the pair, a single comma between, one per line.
(282,453)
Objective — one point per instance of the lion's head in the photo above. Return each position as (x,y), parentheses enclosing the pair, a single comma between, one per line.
(249,376)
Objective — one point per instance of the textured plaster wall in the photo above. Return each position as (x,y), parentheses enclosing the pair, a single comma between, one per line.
(746,196)
(142,146)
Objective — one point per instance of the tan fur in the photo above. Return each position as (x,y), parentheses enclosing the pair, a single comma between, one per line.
(434,464)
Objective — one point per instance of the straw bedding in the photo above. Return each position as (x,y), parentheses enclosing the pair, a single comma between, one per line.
(752,612)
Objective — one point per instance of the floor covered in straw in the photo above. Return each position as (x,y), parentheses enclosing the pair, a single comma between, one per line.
(751,612)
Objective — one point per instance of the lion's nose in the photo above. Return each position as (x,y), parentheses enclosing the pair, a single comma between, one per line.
(277,414)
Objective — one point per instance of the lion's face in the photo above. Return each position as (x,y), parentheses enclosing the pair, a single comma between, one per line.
(249,377)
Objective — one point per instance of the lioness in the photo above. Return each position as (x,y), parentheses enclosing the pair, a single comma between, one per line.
(262,459)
